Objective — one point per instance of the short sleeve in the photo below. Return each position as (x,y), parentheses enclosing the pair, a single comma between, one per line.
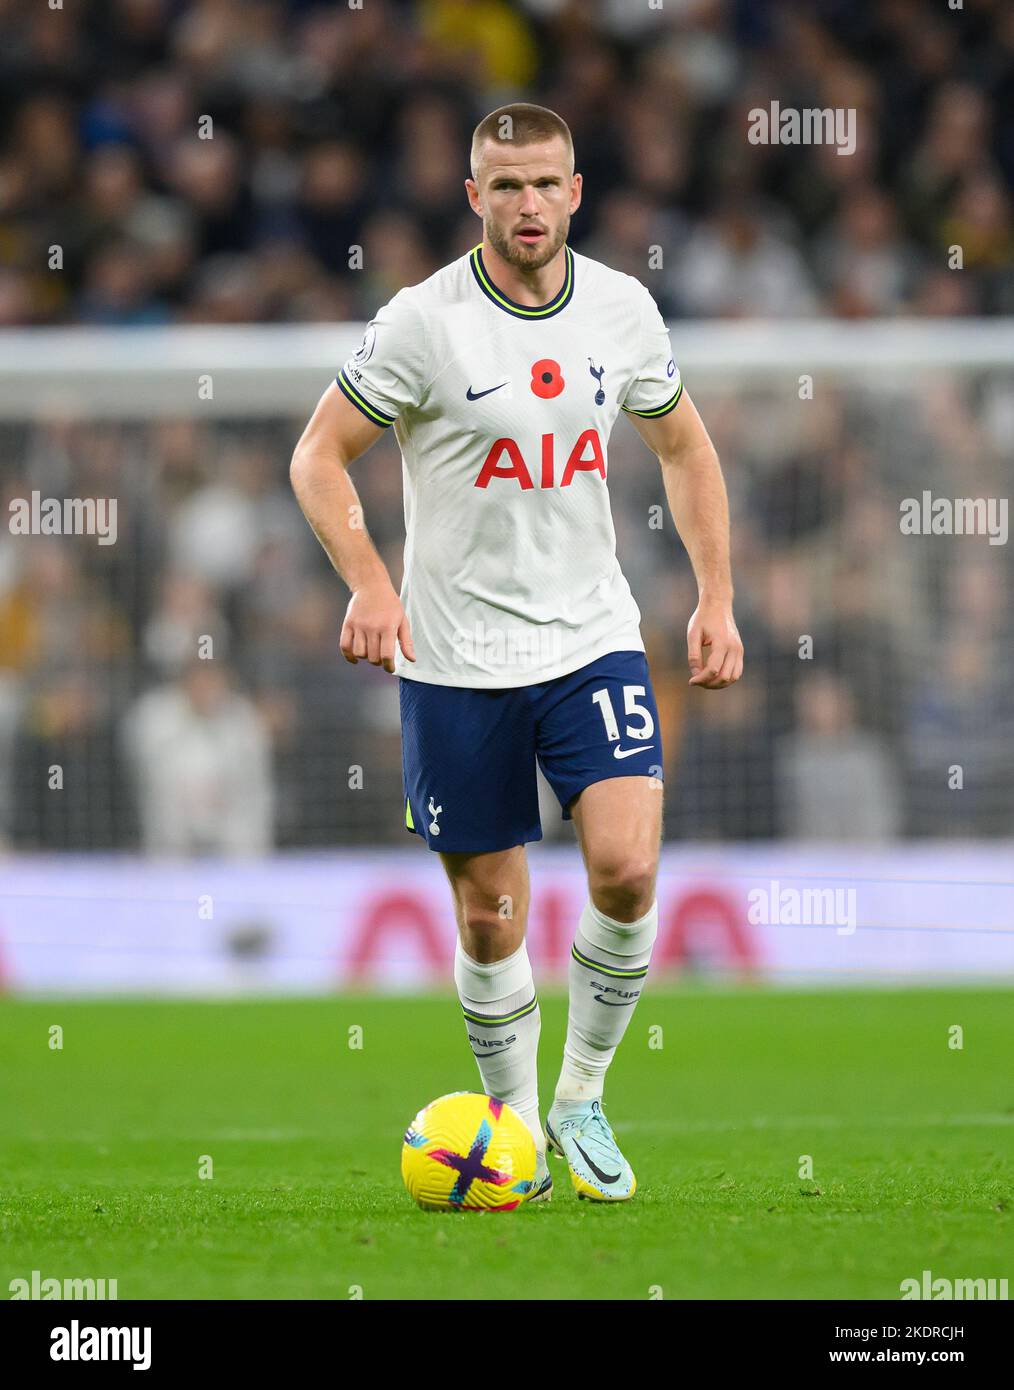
(657,385)
(386,374)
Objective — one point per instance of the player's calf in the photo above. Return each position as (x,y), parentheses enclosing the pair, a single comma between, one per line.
(608,966)
(502,1019)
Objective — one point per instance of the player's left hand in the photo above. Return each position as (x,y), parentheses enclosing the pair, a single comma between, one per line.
(714,646)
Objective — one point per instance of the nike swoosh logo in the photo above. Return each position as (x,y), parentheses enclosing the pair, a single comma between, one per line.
(471,395)
(629,752)
(602,1177)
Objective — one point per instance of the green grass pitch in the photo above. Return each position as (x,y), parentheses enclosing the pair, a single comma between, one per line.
(100,1145)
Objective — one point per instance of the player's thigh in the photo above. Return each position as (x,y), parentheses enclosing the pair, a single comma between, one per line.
(619,828)
(491,895)
(598,725)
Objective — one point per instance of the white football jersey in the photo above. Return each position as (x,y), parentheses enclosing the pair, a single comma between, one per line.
(502,413)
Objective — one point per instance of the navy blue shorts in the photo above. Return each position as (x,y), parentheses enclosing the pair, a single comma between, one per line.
(469,756)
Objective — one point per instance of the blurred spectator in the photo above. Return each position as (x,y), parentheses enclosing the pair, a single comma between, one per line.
(71,792)
(215,531)
(835,781)
(867,267)
(186,614)
(741,803)
(737,265)
(201,763)
(118,291)
(959,742)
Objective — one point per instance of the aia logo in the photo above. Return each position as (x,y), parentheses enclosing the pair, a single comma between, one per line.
(514,465)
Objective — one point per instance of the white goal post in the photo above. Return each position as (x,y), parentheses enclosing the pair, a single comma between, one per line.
(263,371)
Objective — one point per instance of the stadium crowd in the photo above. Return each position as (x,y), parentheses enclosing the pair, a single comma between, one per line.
(221,161)
(335,129)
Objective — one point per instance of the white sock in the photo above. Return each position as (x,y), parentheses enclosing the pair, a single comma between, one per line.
(502,1017)
(608,964)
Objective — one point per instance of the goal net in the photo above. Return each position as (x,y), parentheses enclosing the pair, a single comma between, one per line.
(170,679)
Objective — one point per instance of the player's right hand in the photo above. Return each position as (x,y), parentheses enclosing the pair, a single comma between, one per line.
(374,622)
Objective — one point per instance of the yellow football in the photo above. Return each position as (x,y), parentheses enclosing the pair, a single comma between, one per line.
(466,1152)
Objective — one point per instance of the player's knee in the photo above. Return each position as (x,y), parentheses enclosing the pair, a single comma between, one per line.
(488,934)
(623,886)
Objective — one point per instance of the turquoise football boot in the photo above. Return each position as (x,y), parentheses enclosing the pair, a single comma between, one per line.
(579,1132)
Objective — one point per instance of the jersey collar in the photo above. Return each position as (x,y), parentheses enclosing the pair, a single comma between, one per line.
(524,311)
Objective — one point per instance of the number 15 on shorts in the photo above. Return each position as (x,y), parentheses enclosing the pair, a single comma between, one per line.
(642,729)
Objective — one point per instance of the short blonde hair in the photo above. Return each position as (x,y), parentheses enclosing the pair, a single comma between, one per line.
(520,124)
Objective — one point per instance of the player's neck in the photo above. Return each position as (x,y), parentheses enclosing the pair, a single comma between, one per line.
(532,288)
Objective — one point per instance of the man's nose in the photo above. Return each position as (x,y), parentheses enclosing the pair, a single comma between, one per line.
(530,202)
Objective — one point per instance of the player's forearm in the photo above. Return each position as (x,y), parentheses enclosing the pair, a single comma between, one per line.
(699,505)
(330,503)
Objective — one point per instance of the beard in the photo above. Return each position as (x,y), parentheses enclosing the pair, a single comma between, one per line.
(524,257)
